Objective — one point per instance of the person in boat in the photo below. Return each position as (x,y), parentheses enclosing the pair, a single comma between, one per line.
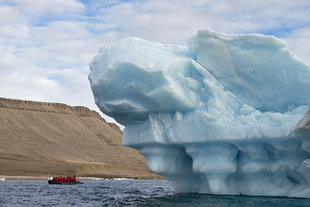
(65,179)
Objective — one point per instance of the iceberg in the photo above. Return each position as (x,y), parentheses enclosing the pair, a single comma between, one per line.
(224,115)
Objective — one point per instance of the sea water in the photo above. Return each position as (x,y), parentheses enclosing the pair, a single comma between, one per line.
(124,193)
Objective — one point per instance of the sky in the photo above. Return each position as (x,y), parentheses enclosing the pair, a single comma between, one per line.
(46,45)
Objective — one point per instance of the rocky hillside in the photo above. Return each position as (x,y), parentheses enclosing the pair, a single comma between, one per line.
(47,139)
(303,127)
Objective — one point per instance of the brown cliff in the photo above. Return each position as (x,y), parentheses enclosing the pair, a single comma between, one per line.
(47,139)
(303,126)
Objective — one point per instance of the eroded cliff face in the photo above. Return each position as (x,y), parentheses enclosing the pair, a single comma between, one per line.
(48,107)
(303,126)
(46,139)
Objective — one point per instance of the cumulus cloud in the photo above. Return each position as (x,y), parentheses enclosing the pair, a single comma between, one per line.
(46,46)
(298,42)
(175,21)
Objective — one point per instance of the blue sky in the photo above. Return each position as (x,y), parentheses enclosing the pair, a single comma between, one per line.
(46,46)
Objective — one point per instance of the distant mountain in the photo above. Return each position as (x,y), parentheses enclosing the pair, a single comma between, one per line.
(48,139)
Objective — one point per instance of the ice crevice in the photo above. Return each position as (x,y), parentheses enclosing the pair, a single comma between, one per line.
(226,115)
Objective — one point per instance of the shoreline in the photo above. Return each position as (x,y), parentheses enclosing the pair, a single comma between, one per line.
(13,177)
(9,177)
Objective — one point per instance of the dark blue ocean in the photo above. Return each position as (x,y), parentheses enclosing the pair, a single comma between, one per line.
(124,193)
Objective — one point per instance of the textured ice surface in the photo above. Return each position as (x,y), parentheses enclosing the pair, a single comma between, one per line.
(215,117)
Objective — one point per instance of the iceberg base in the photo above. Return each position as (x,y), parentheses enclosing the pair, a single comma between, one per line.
(257,168)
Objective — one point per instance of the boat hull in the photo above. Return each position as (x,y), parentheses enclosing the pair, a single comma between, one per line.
(64,183)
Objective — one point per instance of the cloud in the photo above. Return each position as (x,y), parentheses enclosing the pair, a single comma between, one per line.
(298,42)
(46,46)
(175,21)
(42,7)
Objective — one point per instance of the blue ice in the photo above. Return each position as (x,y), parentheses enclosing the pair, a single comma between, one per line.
(225,115)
